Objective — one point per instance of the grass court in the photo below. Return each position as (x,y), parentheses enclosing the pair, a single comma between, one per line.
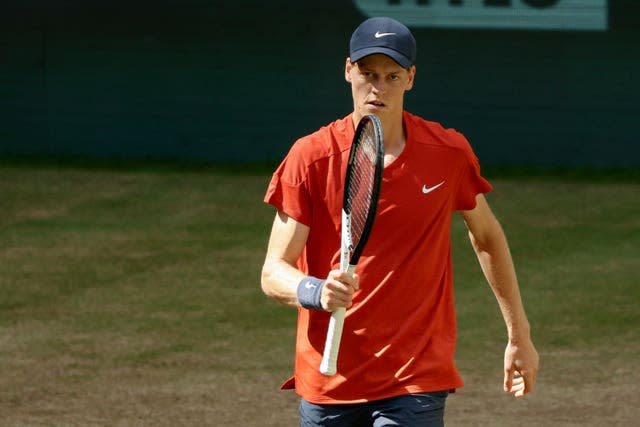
(130,295)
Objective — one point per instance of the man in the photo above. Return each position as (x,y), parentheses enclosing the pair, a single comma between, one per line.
(396,361)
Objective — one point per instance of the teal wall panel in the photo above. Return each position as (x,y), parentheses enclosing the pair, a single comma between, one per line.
(235,81)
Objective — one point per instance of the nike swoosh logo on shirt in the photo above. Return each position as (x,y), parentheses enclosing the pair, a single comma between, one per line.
(427,190)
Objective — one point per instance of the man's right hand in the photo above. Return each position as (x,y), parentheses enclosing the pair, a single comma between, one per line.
(338,290)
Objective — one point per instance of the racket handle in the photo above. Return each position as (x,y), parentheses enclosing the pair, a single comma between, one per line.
(332,344)
(329,365)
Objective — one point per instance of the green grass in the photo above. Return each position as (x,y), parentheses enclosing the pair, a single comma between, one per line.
(577,250)
(130,295)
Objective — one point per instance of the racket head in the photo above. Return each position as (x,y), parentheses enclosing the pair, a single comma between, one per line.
(362,183)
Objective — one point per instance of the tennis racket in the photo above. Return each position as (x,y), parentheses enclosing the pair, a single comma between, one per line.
(361,191)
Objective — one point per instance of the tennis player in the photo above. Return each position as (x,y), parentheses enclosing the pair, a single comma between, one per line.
(396,362)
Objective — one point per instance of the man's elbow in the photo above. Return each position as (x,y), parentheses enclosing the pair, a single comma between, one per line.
(266,279)
(488,237)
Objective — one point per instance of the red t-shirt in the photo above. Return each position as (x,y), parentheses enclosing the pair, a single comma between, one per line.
(399,335)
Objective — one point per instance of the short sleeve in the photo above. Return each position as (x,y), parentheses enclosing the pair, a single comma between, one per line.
(288,191)
(471,181)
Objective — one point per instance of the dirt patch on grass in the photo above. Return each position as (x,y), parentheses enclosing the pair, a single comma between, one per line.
(575,388)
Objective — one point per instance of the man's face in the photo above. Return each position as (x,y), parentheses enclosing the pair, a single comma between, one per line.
(378,84)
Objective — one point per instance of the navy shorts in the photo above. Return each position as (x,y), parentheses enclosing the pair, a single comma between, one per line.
(411,410)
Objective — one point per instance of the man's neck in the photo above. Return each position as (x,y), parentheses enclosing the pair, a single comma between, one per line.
(394,137)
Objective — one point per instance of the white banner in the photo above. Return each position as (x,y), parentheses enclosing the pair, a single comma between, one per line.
(568,15)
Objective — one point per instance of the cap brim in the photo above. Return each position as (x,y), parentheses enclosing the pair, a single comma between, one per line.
(393,54)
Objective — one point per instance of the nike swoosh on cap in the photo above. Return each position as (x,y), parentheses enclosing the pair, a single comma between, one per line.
(378,34)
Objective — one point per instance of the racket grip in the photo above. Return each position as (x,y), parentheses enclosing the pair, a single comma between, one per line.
(332,344)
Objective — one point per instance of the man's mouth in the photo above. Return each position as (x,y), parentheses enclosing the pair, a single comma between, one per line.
(376,103)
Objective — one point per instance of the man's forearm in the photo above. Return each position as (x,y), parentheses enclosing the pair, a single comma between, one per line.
(497,265)
(280,282)
(490,244)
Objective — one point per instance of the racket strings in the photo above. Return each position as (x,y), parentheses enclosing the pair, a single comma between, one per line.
(360,192)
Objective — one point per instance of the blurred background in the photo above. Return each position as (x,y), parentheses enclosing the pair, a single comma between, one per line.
(530,83)
(130,296)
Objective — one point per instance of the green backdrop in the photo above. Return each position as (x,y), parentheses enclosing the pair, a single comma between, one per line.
(235,81)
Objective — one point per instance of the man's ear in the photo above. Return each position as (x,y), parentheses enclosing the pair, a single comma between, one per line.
(347,70)
(410,77)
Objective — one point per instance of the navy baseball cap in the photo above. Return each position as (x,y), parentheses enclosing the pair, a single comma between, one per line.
(386,36)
